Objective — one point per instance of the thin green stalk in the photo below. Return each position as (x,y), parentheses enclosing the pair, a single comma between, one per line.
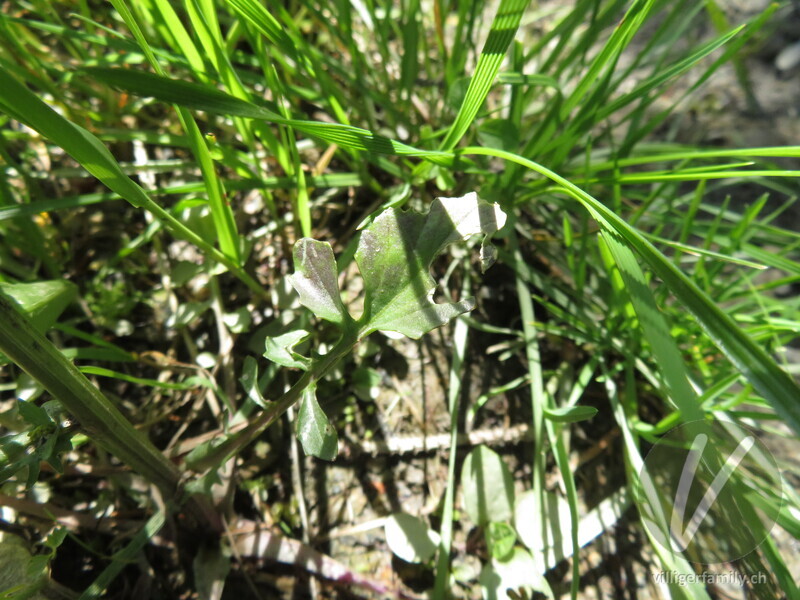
(538,399)
(691,153)
(536,385)
(275,410)
(102,422)
(562,461)
(460,335)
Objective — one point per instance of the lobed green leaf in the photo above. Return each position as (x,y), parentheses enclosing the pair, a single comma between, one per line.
(394,256)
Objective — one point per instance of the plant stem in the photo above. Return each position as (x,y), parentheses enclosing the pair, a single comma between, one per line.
(460,335)
(102,422)
(275,410)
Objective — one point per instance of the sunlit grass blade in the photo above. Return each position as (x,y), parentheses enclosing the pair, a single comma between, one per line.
(203,98)
(557,443)
(165,18)
(692,153)
(687,249)
(224,223)
(460,337)
(504,27)
(536,385)
(665,352)
(280,35)
(693,175)
(608,56)
(749,358)
(664,75)
(24,106)
(255,13)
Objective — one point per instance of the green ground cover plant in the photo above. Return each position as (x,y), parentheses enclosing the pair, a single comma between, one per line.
(217,215)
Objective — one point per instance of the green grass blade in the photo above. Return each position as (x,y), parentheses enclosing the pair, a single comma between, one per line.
(687,154)
(665,75)
(167,16)
(24,106)
(409,67)
(562,462)
(663,347)
(188,385)
(778,388)
(460,336)
(221,213)
(610,53)
(536,386)
(124,557)
(256,14)
(183,93)
(504,27)
(207,99)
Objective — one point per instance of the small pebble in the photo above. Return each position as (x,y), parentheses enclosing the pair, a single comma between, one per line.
(788,58)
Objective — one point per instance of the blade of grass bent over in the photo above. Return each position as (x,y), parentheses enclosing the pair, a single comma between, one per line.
(749,358)
(206,99)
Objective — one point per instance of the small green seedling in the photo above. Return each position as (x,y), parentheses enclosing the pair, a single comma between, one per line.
(394,255)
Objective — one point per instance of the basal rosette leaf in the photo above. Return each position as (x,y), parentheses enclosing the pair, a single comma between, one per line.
(395,253)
